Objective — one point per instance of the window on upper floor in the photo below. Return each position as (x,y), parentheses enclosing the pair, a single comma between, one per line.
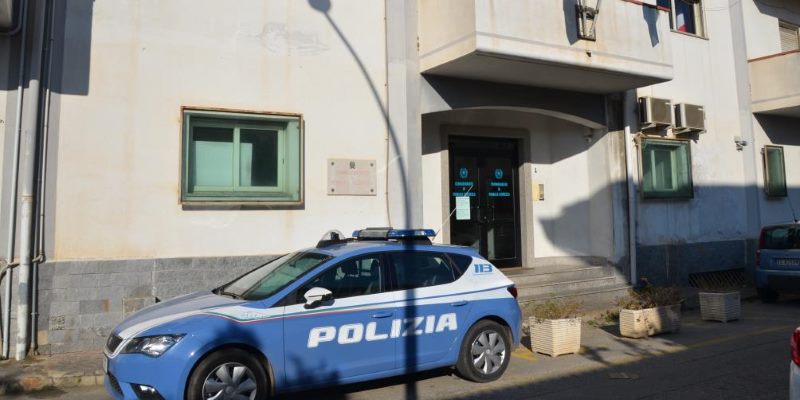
(666,169)
(790,36)
(774,171)
(685,15)
(241,157)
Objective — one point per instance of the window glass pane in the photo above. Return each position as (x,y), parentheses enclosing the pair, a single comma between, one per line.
(356,277)
(775,171)
(258,158)
(666,169)
(238,157)
(685,16)
(212,153)
(462,263)
(419,269)
(782,238)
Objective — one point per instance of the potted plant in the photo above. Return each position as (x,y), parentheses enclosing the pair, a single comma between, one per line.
(720,302)
(556,327)
(649,311)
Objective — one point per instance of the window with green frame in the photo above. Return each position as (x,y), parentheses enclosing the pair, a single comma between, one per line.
(774,171)
(666,169)
(241,157)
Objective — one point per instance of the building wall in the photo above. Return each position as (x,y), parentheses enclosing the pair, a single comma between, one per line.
(703,76)
(761,24)
(710,231)
(762,20)
(118,154)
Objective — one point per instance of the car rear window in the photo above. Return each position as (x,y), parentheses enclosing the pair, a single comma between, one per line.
(781,238)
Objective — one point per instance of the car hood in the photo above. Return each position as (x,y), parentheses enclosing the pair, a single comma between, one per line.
(172,310)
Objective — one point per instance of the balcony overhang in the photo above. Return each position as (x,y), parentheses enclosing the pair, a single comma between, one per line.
(530,44)
(775,84)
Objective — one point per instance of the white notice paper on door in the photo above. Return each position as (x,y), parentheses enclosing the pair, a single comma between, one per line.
(462,208)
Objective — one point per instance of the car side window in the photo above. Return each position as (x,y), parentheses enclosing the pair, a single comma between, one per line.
(354,277)
(415,269)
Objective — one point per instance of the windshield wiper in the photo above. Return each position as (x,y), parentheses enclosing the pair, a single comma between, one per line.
(231,294)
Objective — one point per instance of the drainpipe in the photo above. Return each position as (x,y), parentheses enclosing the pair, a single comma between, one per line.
(42,185)
(629,119)
(12,209)
(30,130)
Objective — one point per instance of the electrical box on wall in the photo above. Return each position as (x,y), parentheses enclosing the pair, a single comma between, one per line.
(538,191)
(689,118)
(655,113)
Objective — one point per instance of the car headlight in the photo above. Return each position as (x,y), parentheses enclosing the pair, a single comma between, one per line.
(152,346)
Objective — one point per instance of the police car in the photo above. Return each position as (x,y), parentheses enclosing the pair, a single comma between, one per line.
(383,303)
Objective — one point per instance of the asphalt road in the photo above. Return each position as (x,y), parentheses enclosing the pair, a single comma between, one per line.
(742,360)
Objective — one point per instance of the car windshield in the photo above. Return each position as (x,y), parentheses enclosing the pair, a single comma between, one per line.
(782,238)
(273,276)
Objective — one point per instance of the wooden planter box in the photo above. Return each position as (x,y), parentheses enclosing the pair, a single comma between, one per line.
(721,307)
(555,337)
(650,321)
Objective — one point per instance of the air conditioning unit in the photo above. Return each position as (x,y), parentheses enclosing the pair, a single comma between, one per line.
(689,118)
(655,113)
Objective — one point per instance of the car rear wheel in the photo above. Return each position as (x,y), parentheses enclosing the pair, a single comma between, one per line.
(228,374)
(485,352)
(768,295)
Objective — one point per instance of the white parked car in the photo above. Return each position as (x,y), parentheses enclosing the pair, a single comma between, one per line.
(794,389)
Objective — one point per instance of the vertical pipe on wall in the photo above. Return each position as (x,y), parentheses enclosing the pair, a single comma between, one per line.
(12,206)
(629,119)
(30,130)
(41,187)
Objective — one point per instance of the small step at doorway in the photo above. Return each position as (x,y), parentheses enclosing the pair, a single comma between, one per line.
(596,286)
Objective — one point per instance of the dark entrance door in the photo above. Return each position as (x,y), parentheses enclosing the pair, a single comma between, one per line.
(484,195)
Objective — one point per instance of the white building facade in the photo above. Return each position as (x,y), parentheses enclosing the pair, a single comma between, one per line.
(180,144)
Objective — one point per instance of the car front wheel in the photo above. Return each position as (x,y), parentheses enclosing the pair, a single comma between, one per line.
(485,352)
(228,374)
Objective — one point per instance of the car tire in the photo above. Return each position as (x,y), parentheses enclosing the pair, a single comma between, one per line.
(229,369)
(478,365)
(768,295)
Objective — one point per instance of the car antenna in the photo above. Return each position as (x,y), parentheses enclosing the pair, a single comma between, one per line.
(451,213)
(791,206)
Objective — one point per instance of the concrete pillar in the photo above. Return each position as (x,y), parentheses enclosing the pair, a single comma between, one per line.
(404,119)
(750,152)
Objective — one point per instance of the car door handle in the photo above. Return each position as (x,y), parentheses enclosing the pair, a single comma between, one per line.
(459,303)
(384,314)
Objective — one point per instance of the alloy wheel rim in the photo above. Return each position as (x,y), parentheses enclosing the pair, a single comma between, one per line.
(488,352)
(230,381)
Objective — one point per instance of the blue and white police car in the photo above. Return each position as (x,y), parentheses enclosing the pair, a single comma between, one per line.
(383,303)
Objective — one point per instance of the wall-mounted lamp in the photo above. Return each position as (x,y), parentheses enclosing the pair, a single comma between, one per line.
(739,142)
(587,11)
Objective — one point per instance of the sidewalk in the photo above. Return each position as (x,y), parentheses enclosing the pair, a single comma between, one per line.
(603,352)
(59,371)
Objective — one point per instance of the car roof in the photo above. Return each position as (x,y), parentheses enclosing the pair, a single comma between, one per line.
(352,248)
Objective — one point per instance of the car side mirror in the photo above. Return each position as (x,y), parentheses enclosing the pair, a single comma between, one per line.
(316,296)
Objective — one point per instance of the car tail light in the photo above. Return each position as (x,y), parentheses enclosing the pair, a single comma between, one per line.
(513,291)
(796,347)
(762,239)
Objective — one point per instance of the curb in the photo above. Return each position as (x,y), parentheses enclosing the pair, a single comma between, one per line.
(34,382)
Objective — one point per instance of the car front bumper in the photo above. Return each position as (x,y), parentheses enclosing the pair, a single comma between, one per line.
(168,373)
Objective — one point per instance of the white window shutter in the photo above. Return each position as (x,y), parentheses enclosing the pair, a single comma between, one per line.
(790,38)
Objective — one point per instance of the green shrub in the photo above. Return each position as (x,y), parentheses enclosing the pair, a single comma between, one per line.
(557,309)
(650,296)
